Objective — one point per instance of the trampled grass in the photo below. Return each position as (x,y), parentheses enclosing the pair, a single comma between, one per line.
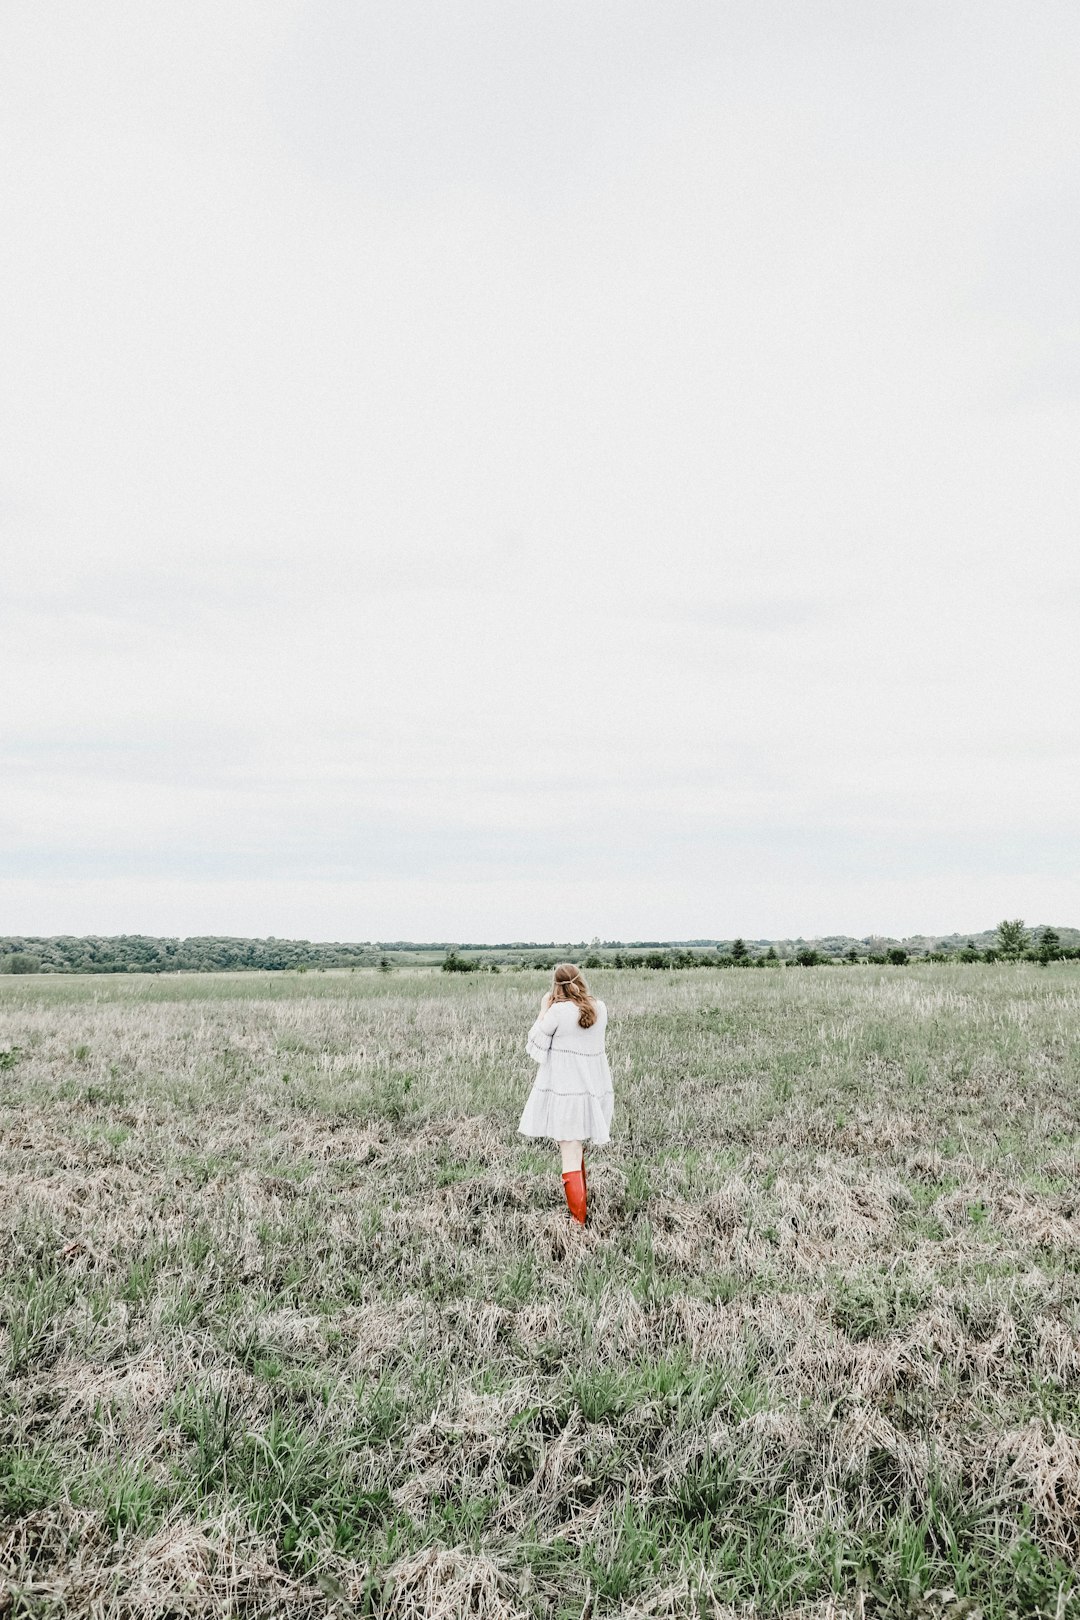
(294,1322)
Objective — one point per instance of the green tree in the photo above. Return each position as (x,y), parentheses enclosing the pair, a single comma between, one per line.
(453,963)
(1049,945)
(897,955)
(20,962)
(739,952)
(852,954)
(1013,939)
(808,957)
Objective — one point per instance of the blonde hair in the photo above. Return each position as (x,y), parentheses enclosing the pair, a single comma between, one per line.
(569,984)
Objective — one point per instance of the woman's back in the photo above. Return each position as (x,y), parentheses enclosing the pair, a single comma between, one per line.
(571,1100)
(563,1020)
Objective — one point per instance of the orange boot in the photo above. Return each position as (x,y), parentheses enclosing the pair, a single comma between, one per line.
(584,1181)
(574,1187)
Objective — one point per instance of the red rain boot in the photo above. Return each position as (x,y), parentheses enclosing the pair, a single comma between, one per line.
(584,1180)
(574,1187)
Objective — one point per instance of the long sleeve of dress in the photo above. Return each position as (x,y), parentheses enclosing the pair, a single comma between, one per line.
(538,1040)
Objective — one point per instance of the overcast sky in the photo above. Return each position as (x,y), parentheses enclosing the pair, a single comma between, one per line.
(501,470)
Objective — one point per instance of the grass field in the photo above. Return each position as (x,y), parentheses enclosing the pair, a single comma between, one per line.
(294,1323)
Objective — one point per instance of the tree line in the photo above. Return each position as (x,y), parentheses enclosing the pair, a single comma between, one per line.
(142,953)
(1014,942)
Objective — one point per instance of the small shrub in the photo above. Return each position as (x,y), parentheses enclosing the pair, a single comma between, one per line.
(20,962)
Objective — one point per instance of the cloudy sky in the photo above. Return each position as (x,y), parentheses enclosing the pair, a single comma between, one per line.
(483,470)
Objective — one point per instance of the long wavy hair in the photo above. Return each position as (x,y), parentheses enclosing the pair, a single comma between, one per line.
(569,985)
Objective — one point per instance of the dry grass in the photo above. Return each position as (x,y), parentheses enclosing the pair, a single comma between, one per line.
(295,1324)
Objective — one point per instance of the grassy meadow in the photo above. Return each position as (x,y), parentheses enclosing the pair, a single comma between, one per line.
(293,1323)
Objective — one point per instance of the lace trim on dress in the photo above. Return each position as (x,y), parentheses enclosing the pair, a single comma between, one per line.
(555,1092)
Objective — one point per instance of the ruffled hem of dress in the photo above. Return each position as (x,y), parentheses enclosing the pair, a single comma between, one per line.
(581,1117)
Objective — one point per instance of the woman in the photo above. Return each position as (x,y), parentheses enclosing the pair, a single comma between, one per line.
(571,1099)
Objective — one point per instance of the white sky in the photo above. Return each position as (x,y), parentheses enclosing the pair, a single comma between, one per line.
(524,471)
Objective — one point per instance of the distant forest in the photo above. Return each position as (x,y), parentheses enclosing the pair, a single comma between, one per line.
(143,953)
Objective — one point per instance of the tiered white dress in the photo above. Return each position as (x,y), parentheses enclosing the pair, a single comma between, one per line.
(572,1098)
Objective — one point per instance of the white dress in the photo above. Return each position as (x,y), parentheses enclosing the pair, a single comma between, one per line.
(572,1099)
